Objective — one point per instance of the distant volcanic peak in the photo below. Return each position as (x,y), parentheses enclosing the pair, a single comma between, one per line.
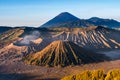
(64,13)
(67,15)
(63,53)
(62,19)
(66,19)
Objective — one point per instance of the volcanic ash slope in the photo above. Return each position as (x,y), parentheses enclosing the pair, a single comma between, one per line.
(63,53)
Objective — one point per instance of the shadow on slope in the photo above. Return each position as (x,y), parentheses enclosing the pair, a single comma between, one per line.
(14,76)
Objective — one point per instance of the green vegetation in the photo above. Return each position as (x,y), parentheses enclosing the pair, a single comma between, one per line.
(95,75)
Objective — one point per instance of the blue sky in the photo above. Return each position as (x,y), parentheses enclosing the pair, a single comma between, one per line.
(37,12)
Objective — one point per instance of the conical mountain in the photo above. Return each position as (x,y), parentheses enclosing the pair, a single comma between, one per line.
(62,20)
(64,53)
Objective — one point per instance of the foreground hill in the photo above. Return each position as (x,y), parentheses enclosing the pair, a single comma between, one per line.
(64,53)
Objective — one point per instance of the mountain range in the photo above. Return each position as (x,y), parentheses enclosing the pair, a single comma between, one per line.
(64,45)
(66,19)
(58,46)
(32,40)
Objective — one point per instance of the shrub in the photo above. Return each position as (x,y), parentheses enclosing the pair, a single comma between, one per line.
(84,76)
(98,75)
(69,78)
(95,75)
(113,75)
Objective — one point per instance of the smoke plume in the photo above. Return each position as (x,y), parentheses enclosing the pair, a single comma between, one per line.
(28,38)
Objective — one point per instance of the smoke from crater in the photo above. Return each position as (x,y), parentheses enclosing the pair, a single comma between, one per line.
(28,38)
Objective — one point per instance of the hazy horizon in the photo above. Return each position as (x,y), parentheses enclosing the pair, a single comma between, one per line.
(37,12)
